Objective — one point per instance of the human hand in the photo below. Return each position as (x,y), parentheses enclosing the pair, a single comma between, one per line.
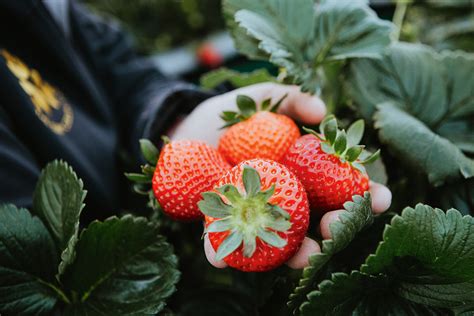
(204,124)
(381,199)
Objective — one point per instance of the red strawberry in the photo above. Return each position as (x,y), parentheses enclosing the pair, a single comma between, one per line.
(185,169)
(259,217)
(253,134)
(209,56)
(328,164)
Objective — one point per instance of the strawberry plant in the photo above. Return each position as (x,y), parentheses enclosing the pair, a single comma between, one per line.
(47,265)
(269,184)
(418,106)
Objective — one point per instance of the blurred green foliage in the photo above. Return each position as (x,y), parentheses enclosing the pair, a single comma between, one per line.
(159,25)
(443,24)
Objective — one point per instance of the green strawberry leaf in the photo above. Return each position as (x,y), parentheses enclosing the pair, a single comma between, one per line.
(435,239)
(355,132)
(422,266)
(238,79)
(458,195)
(122,267)
(217,300)
(301,36)
(361,294)
(28,261)
(436,89)
(411,140)
(377,171)
(149,151)
(358,215)
(139,177)
(58,201)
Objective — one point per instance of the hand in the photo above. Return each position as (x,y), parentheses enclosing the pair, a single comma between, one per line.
(381,199)
(204,123)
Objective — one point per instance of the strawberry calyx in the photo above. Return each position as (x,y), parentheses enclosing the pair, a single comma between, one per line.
(142,181)
(245,216)
(342,144)
(248,107)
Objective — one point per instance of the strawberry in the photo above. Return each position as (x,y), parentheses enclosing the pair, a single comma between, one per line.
(209,56)
(252,134)
(329,166)
(184,170)
(258,215)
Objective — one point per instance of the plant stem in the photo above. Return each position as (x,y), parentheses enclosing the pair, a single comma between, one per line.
(398,17)
(57,290)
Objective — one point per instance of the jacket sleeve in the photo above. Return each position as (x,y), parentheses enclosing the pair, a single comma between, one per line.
(18,169)
(145,102)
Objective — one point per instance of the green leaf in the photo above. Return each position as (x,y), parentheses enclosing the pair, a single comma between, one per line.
(422,266)
(355,132)
(435,88)
(278,211)
(246,105)
(213,206)
(230,192)
(280,225)
(58,201)
(439,244)
(138,177)
(377,171)
(219,300)
(251,180)
(122,267)
(361,294)
(149,151)
(435,239)
(371,158)
(414,143)
(340,143)
(238,79)
(271,238)
(458,195)
(354,152)
(28,261)
(330,129)
(301,36)
(250,245)
(358,215)
(221,225)
(230,243)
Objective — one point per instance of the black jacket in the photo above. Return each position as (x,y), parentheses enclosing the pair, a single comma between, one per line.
(86,99)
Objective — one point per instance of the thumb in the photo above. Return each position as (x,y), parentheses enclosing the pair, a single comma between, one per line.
(211,254)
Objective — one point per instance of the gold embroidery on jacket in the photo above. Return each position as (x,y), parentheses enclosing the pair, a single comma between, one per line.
(50,104)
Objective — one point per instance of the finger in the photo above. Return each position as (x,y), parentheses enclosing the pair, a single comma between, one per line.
(381,197)
(327,219)
(303,107)
(211,254)
(301,258)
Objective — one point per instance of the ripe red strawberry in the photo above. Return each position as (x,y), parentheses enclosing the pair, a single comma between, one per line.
(259,216)
(253,134)
(328,164)
(209,56)
(185,169)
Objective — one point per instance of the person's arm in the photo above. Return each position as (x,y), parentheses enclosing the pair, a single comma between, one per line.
(146,104)
(18,169)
